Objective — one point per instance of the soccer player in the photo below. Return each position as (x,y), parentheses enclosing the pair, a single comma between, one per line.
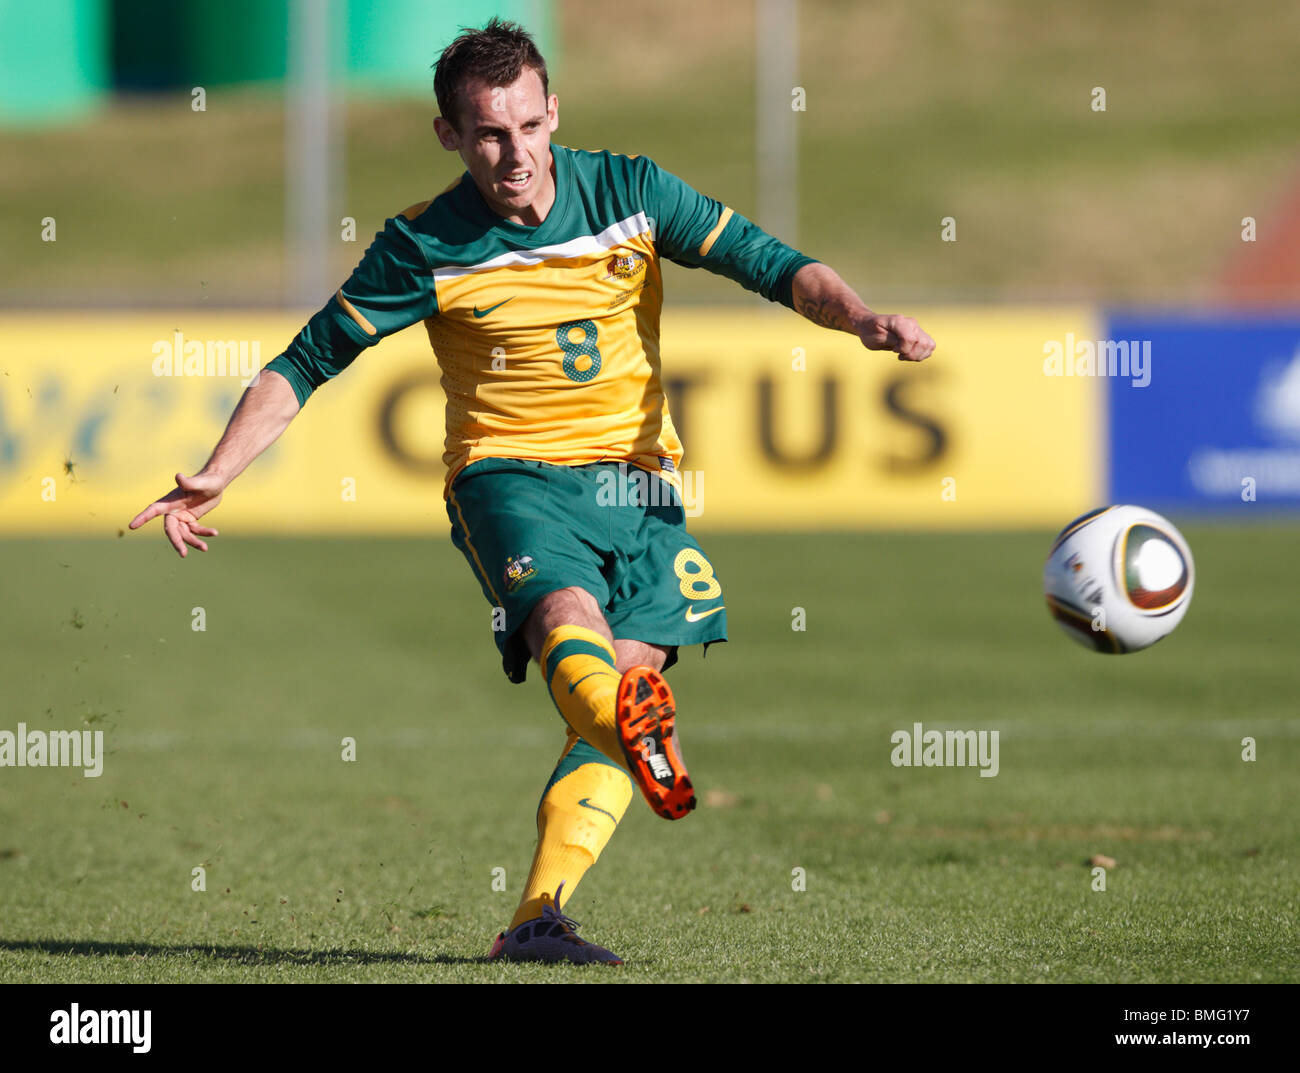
(537,277)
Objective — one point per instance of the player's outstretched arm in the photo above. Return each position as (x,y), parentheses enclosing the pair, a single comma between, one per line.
(263,413)
(824,298)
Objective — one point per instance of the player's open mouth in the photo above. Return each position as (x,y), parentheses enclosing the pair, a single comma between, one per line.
(517,180)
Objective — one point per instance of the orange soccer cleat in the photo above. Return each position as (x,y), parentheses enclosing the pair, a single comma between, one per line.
(645,715)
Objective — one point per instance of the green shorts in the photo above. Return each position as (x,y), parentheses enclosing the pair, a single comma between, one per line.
(619,532)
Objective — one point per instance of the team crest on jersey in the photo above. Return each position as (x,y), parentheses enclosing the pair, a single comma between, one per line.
(626,267)
(518,570)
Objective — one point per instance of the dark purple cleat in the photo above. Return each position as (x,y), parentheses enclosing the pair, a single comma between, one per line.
(551,937)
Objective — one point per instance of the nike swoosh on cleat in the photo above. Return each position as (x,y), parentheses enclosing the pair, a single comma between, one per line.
(484,312)
(693,616)
(586,803)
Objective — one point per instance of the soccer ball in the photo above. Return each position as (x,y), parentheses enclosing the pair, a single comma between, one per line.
(1118,579)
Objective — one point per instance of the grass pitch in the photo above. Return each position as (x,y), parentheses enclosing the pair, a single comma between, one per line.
(224,752)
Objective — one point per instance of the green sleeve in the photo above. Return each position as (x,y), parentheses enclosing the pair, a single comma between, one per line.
(391,289)
(685,222)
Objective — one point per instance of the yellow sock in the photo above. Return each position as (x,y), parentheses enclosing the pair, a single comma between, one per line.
(579,667)
(580,809)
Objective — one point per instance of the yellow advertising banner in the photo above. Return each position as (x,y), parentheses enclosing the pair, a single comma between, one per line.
(786,425)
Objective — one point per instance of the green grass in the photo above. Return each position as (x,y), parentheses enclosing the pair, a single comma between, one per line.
(916,110)
(224,752)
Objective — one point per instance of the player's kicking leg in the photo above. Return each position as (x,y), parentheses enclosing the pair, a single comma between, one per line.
(612,695)
(646,718)
(590,679)
(567,568)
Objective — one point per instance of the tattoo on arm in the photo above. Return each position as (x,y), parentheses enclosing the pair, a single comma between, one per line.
(820,311)
(824,298)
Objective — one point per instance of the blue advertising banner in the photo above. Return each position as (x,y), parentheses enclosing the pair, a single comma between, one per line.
(1216,426)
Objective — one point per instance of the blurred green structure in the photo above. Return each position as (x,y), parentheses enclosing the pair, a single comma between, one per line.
(53,59)
(59,58)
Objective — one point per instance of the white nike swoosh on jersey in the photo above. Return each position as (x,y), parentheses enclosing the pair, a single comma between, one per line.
(692,616)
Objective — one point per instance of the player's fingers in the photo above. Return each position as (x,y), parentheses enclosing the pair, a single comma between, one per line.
(193,541)
(901,340)
(148,514)
(917,345)
(204,530)
(902,331)
(172,527)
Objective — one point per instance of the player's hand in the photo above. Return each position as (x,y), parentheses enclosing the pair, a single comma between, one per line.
(182,508)
(900,334)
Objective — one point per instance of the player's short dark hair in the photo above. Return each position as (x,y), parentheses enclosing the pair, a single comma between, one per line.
(496,54)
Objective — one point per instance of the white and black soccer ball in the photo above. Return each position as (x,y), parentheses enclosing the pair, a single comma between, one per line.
(1118,579)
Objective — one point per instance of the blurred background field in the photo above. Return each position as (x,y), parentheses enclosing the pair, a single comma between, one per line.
(915,111)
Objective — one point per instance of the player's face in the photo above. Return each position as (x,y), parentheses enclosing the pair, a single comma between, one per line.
(505,141)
